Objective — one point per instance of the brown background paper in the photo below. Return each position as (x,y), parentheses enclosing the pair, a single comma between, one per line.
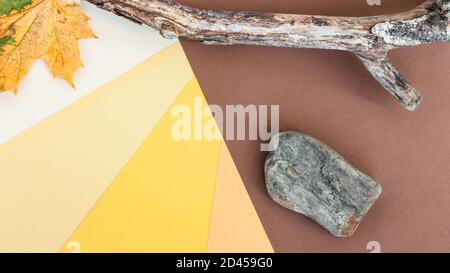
(329,95)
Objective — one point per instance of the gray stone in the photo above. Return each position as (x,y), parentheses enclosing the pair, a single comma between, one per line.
(308,177)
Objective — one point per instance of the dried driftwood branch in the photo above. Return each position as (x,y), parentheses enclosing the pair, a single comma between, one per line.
(370,38)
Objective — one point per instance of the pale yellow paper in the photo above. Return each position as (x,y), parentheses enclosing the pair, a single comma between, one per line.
(162,199)
(52,175)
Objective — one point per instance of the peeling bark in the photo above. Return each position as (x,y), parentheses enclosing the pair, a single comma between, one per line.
(370,38)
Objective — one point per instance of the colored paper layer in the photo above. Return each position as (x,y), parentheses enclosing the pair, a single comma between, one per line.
(235,225)
(54,173)
(162,199)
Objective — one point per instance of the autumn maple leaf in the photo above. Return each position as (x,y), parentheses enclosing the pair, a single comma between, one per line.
(40,29)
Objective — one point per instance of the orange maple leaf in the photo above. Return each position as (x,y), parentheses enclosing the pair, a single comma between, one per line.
(40,29)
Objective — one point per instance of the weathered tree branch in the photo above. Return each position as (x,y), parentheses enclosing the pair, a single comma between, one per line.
(370,38)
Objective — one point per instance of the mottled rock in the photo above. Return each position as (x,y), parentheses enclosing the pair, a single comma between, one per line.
(306,176)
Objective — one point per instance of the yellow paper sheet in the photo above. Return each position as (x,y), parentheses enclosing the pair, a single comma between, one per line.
(162,199)
(52,175)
